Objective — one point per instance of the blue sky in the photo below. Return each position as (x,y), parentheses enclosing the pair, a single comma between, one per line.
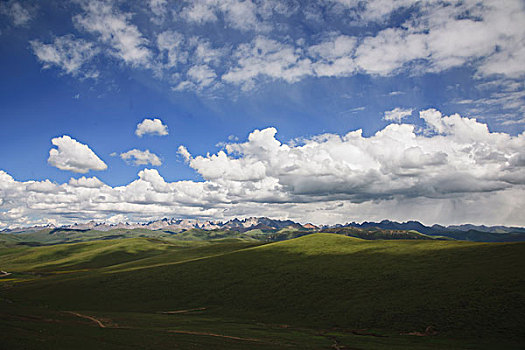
(215,72)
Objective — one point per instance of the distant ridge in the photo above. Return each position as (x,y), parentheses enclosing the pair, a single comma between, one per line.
(434,229)
(367,230)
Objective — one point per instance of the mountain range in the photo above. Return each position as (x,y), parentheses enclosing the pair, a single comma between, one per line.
(240,225)
(385,229)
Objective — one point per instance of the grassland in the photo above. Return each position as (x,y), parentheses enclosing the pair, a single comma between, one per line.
(320,291)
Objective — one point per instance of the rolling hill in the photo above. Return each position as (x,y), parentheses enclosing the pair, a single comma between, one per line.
(318,291)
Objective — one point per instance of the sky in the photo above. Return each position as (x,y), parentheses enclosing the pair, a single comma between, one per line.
(326,111)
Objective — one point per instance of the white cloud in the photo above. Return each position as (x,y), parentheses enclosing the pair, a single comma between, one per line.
(267,9)
(334,48)
(196,55)
(159,9)
(504,101)
(67,53)
(390,50)
(73,156)
(396,93)
(151,127)
(241,15)
(200,12)
(459,156)
(170,42)
(138,157)
(115,29)
(437,37)
(45,186)
(376,10)
(508,63)
(333,57)
(183,151)
(202,75)
(19,14)
(267,58)
(185,85)
(457,171)
(204,52)
(88,182)
(397,114)
(445,37)
(434,37)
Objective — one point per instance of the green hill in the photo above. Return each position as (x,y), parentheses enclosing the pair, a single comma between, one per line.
(105,254)
(59,236)
(376,233)
(318,291)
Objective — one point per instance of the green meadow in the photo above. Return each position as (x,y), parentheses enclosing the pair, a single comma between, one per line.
(318,291)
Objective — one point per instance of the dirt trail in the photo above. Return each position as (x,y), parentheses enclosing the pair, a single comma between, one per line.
(98,322)
(219,336)
(181,311)
(4,274)
(429,331)
(101,325)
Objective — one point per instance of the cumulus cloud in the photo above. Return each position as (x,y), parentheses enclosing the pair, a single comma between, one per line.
(151,127)
(455,155)
(74,156)
(67,53)
(138,157)
(183,151)
(45,186)
(88,182)
(397,114)
(84,199)
(454,170)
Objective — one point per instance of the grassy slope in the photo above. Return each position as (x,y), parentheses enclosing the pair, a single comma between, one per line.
(124,253)
(321,281)
(59,236)
(374,233)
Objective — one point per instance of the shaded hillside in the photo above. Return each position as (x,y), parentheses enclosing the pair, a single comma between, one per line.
(479,236)
(374,233)
(461,232)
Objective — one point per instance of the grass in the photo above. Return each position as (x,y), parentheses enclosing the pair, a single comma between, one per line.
(307,293)
(60,236)
(130,252)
